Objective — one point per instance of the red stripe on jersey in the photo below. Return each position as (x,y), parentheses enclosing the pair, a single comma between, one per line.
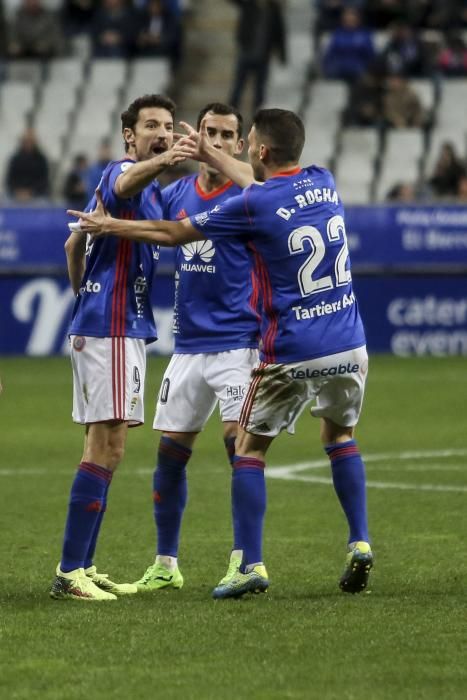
(117,323)
(117,290)
(120,290)
(123,289)
(245,204)
(254,296)
(269,336)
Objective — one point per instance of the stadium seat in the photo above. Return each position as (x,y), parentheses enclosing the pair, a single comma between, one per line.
(106,76)
(66,71)
(401,160)
(328,99)
(425,91)
(453,104)
(16,102)
(52,119)
(146,75)
(24,71)
(354,168)
(353,192)
(285,87)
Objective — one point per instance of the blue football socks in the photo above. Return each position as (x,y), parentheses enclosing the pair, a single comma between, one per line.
(249,503)
(92,545)
(348,475)
(85,511)
(230,448)
(170,494)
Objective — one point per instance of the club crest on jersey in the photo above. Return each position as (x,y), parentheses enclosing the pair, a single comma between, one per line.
(204,250)
(201,219)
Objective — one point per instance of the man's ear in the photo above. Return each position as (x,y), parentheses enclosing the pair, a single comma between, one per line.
(129,136)
(239,147)
(263,152)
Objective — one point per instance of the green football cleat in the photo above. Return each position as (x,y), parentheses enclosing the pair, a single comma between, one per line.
(75,585)
(103,582)
(255,581)
(234,566)
(158,576)
(357,568)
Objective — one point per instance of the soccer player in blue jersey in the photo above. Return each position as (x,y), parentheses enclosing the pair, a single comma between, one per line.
(111,323)
(313,341)
(216,331)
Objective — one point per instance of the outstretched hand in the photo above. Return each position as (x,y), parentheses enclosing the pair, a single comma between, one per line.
(199,139)
(184,147)
(94,222)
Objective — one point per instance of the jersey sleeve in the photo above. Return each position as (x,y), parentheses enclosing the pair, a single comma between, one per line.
(109,177)
(232,218)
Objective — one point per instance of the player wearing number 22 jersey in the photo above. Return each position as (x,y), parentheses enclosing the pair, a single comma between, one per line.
(313,349)
(294,225)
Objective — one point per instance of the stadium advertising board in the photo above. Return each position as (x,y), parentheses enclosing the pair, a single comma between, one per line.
(411,238)
(410,271)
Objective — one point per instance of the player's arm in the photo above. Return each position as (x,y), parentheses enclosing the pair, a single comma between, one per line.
(142,173)
(238,171)
(164,233)
(75,250)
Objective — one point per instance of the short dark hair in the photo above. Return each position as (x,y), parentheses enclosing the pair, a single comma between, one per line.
(130,116)
(284,132)
(223,109)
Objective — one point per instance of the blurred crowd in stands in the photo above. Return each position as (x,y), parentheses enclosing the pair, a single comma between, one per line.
(116,28)
(422,38)
(376,46)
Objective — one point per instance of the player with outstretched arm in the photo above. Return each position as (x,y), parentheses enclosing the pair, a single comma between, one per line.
(111,323)
(313,341)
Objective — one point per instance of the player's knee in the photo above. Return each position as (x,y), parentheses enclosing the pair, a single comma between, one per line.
(116,454)
(331,433)
(230,430)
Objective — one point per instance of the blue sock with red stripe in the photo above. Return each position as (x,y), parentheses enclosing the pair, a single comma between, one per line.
(170,494)
(92,545)
(249,503)
(348,475)
(87,500)
(230,447)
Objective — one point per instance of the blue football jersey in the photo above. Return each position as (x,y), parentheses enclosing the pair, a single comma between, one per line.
(294,224)
(216,293)
(115,294)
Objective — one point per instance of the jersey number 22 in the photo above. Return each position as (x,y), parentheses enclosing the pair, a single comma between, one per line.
(335,231)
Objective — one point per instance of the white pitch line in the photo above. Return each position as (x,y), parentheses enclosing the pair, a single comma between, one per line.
(377,484)
(292,472)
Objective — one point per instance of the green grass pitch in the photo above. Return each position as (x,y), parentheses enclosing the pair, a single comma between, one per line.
(304,639)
